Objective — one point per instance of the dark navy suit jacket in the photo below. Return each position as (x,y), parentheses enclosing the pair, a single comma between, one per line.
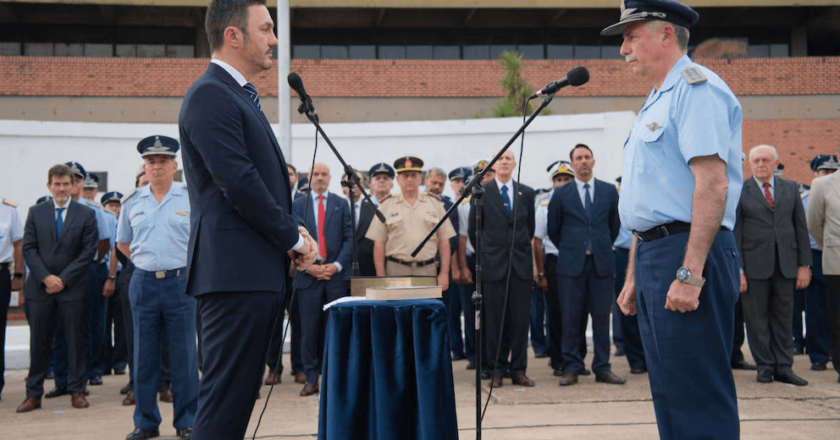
(241,225)
(364,245)
(570,229)
(68,258)
(338,233)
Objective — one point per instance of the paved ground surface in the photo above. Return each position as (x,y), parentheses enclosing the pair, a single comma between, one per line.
(547,411)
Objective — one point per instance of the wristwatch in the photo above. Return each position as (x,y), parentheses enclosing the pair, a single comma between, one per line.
(541,275)
(18,275)
(112,278)
(684,276)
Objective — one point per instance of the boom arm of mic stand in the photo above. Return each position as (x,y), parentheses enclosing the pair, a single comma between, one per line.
(467,190)
(348,170)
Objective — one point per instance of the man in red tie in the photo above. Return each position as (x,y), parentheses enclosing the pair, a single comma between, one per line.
(774,246)
(328,279)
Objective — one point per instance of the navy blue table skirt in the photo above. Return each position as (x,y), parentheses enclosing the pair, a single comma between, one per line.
(387,372)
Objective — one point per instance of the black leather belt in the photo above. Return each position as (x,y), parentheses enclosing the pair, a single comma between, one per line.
(413,264)
(663,231)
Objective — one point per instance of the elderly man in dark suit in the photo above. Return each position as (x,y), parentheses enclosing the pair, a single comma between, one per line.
(59,242)
(506,202)
(327,215)
(775,250)
(242,233)
(583,223)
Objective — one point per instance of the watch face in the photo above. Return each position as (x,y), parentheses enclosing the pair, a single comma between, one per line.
(682,274)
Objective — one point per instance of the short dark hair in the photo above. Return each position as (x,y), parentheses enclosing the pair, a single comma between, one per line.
(292,167)
(224,13)
(60,170)
(137,179)
(572,153)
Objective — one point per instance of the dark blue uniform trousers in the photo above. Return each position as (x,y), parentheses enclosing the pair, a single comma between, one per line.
(5,297)
(452,299)
(629,325)
(539,338)
(311,307)
(275,348)
(469,314)
(236,328)
(817,327)
(688,353)
(577,295)
(162,307)
(95,320)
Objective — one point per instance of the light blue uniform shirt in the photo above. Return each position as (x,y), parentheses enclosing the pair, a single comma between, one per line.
(101,225)
(678,122)
(158,233)
(814,244)
(625,238)
(541,224)
(112,224)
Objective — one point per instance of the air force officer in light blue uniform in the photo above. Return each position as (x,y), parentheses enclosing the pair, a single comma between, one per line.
(680,189)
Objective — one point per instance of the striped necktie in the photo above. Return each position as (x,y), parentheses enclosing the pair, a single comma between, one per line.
(253,92)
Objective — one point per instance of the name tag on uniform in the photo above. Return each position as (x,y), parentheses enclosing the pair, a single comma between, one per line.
(182,213)
(135,214)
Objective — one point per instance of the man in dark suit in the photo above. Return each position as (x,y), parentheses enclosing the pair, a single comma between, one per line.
(364,214)
(59,243)
(506,202)
(242,233)
(775,249)
(293,179)
(583,223)
(327,215)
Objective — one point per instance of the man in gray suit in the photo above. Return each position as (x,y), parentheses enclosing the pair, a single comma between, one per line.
(772,239)
(59,242)
(824,225)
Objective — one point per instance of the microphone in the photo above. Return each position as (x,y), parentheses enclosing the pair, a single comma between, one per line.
(296,83)
(576,77)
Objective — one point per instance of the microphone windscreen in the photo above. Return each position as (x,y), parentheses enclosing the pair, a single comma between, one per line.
(576,77)
(296,83)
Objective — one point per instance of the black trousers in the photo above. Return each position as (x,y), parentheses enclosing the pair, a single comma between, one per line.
(275,348)
(555,319)
(832,296)
(235,333)
(512,353)
(42,326)
(5,297)
(768,312)
(739,336)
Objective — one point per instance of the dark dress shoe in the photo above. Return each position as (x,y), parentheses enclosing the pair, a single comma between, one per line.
(558,372)
(798,351)
(523,381)
(818,366)
(742,365)
(540,355)
(273,378)
(458,357)
(96,380)
(31,403)
(141,434)
(300,377)
(79,401)
(609,377)
(56,392)
(129,399)
(791,378)
(309,389)
(496,382)
(568,378)
(165,395)
(585,372)
(471,366)
(485,375)
(184,434)
(764,376)
(127,388)
(638,370)
(619,352)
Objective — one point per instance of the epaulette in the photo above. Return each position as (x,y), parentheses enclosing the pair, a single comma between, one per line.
(93,204)
(466,199)
(544,202)
(388,196)
(127,196)
(434,196)
(10,203)
(693,75)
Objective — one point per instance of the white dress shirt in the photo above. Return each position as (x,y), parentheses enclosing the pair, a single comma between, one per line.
(582,191)
(63,213)
(509,186)
(315,203)
(772,183)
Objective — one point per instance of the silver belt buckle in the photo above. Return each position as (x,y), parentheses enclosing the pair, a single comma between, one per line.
(414,265)
(161,274)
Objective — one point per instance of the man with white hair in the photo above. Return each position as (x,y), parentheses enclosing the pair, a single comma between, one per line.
(774,246)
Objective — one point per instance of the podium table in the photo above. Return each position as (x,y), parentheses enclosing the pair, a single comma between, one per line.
(387,372)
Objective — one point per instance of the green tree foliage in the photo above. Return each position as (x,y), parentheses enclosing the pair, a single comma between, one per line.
(517,90)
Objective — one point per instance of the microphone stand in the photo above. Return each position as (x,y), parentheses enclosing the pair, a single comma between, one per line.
(349,185)
(474,188)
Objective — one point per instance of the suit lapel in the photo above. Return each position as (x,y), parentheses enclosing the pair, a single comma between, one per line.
(576,193)
(491,191)
(48,221)
(69,219)
(752,188)
(332,204)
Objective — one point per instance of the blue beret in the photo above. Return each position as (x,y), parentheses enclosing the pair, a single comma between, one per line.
(382,168)
(158,145)
(78,169)
(462,173)
(667,10)
(824,162)
(112,196)
(44,199)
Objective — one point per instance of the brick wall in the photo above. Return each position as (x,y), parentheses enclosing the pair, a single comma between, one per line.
(137,77)
(797,142)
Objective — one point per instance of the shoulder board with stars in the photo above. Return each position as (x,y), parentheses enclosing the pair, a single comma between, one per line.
(434,196)
(128,196)
(693,75)
(466,199)
(10,203)
(385,198)
(544,202)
